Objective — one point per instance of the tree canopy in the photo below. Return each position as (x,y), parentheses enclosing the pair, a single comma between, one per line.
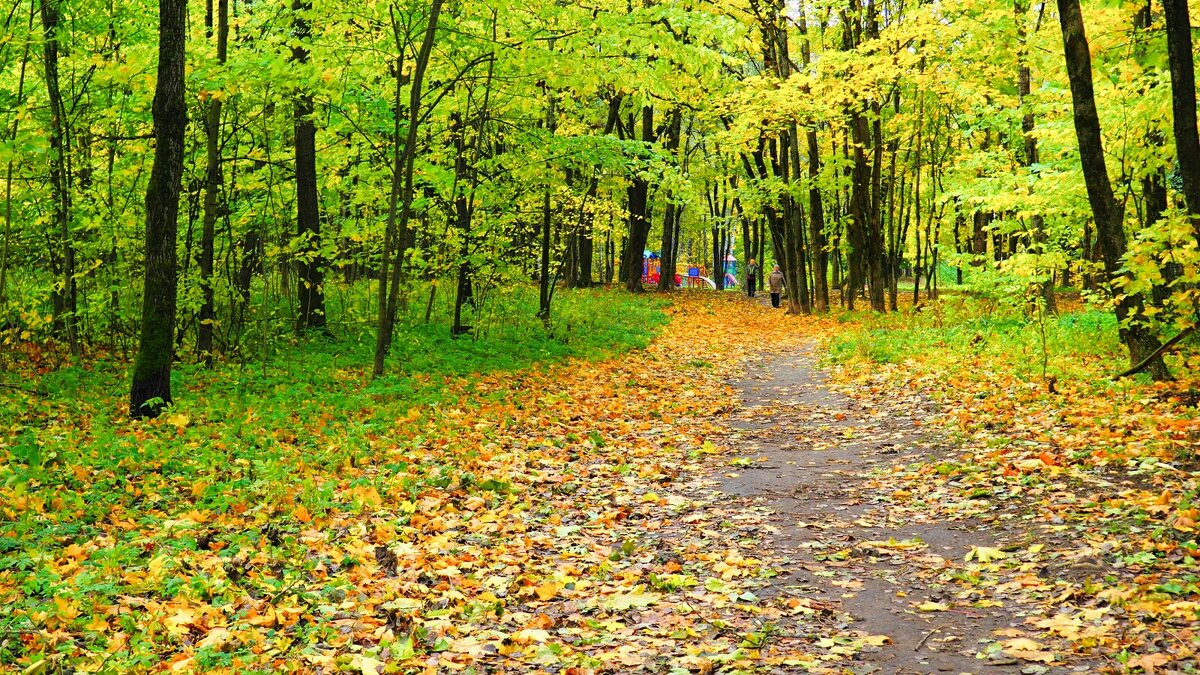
(473,146)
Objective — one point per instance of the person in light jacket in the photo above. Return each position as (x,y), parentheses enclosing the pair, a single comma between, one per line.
(775,282)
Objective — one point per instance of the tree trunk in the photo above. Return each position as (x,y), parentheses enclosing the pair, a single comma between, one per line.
(1040,237)
(875,244)
(545,282)
(1109,215)
(610,257)
(816,226)
(586,236)
(587,252)
(666,274)
(816,212)
(666,277)
(62,253)
(212,186)
(462,215)
(1183,104)
(917,200)
(860,209)
(639,224)
(747,240)
(311,281)
(979,236)
(797,282)
(150,391)
(396,231)
(718,256)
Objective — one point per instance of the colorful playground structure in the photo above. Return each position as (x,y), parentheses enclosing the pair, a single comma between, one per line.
(696,276)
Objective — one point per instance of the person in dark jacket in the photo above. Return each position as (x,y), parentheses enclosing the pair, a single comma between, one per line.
(751,277)
(775,281)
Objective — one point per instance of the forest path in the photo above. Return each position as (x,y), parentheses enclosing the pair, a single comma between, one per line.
(806,454)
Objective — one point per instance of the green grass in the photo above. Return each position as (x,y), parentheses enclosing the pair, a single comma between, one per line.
(589,324)
(298,422)
(962,326)
(286,376)
(247,423)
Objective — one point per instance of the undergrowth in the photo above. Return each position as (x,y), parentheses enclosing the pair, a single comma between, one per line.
(1002,377)
(1080,343)
(246,439)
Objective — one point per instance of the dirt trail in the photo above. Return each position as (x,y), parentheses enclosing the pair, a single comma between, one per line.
(804,453)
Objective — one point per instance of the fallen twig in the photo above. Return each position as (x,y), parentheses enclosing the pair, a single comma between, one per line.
(35,392)
(926,638)
(1167,346)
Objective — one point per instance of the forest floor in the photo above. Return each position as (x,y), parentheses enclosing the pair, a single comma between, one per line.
(714,501)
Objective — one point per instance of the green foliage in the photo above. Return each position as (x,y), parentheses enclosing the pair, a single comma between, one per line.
(1002,338)
(589,324)
(247,439)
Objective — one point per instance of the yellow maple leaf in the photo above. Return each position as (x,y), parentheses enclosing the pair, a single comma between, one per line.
(626,601)
(985,554)
(301,514)
(1149,662)
(548,590)
(1028,650)
(65,609)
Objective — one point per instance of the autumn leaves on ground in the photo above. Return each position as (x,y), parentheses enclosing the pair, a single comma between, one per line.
(558,514)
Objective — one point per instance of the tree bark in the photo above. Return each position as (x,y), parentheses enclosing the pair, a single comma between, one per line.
(816,226)
(666,277)
(610,257)
(586,247)
(396,234)
(1108,213)
(8,177)
(860,208)
(545,283)
(311,286)
(462,214)
(212,187)
(1040,236)
(816,212)
(62,253)
(796,270)
(150,391)
(875,245)
(639,224)
(310,273)
(1183,104)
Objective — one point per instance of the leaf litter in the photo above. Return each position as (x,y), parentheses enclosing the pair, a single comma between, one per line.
(564,519)
(542,520)
(1092,486)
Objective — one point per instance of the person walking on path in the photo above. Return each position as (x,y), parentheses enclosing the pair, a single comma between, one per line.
(751,277)
(776,283)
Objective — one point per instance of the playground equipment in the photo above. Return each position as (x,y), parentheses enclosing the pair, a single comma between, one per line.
(651,267)
(695,277)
